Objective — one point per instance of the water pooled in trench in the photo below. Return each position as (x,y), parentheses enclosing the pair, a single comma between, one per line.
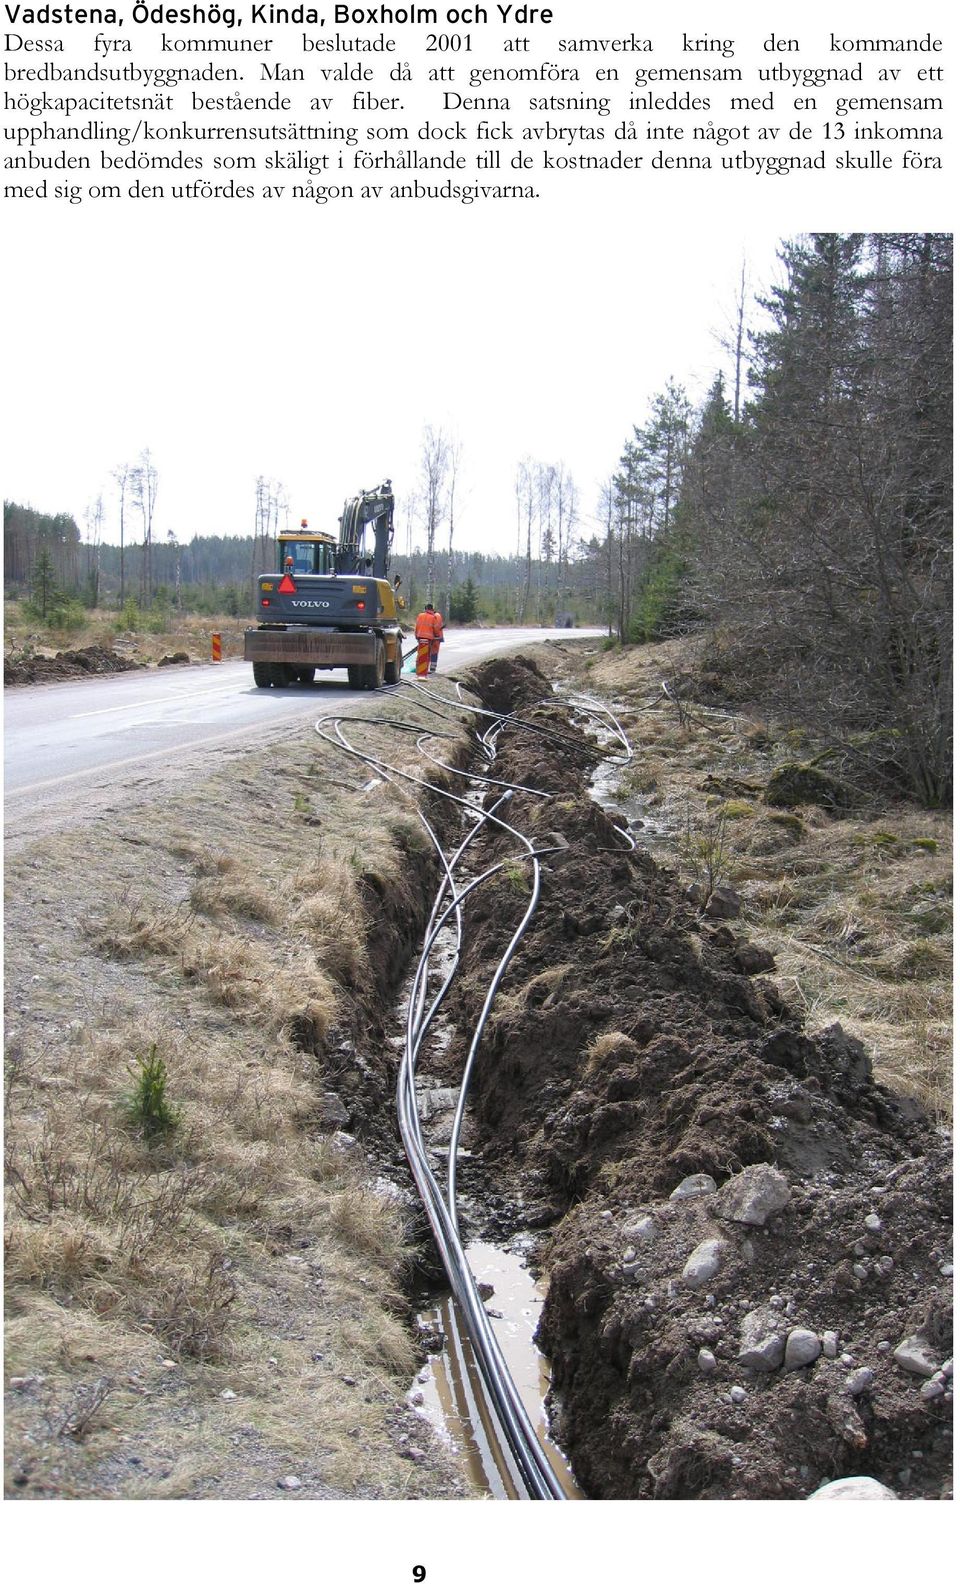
(631,809)
(453,1393)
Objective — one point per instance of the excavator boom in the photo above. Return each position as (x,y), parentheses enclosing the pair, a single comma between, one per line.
(371,508)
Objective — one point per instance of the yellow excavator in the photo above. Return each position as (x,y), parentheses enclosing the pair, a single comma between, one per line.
(331,604)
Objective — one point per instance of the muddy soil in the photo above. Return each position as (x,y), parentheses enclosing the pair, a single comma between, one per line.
(19,670)
(635,1045)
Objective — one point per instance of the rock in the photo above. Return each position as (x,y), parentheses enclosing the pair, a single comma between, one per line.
(485,1289)
(751,959)
(289,1482)
(704,1263)
(860,1381)
(737,1395)
(343,1141)
(724,903)
(332,1112)
(706,1361)
(754,1195)
(179,657)
(931,1389)
(858,1487)
(228,1395)
(861,1272)
(414,1453)
(915,1355)
(873,1223)
(695,1187)
(644,1229)
(415,1399)
(433,1102)
(762,1340)
(803,1348)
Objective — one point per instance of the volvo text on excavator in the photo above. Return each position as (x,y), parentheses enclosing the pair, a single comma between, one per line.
(331,604)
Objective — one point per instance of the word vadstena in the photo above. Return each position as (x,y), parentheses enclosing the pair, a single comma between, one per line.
(378,16)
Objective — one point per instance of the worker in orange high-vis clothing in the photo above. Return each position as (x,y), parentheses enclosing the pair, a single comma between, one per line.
(428,632)
(437,639)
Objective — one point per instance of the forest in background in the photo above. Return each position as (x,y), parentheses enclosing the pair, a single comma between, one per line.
(799,519)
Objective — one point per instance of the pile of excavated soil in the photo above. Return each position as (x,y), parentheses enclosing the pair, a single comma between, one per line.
(697,1353)
(93,661)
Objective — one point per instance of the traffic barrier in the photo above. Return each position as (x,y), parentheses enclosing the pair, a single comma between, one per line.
(423,657)
(216,647)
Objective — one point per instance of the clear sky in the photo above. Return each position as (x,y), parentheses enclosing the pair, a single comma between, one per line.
(235,354)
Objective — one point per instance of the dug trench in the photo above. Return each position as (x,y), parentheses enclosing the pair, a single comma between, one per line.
(744,1237)
(631,1048)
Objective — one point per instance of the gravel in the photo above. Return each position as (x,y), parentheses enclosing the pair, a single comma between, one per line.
(803,1347)
(916,1355)
(695,1187)
(704,1263)
(754,1195)
(762,1340)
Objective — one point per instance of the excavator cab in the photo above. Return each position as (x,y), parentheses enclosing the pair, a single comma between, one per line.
(307,554)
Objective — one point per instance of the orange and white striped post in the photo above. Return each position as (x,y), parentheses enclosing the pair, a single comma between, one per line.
(423,657)
(216,647)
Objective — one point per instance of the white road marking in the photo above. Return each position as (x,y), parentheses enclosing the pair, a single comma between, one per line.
(172,693)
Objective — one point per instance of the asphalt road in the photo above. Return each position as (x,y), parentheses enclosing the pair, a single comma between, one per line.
(64,740)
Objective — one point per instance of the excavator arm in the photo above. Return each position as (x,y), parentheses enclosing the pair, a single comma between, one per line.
(371,508)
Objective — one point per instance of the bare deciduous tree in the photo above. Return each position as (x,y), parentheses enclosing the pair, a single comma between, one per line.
(434,467)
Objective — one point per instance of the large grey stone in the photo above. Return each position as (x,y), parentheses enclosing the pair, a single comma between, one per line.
(641,1231)
(754,1195)
(762,1340)
(858,1487)
(724,903)
(803,1348)
(859,1381)
(332,1112)
(916,1355)
(704,1263)
(695,1187)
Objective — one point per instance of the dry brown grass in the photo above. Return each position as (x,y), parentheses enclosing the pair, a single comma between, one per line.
(857,910)
(608,1050)
(245,1252)
(540,990)
(107,630)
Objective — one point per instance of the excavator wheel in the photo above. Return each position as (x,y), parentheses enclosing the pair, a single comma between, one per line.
(373,676)
(391,670)
(305,675)
(355,676)
(262,674)
(282,675)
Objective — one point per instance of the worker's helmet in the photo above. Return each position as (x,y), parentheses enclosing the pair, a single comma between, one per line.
(288,561)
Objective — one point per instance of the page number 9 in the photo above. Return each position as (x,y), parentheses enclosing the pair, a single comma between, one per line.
(419,1574)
